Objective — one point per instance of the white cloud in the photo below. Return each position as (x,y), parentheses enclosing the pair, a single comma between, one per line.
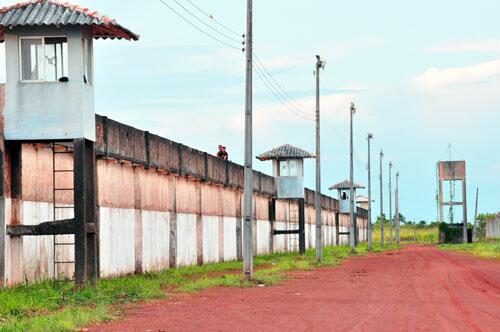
(477,73)
(476,46)
(495,168)
(282,62)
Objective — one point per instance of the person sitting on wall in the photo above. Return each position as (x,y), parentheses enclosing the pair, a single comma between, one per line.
(222,154)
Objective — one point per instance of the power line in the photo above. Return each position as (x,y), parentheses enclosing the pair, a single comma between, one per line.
(198,28)
(277,95)
(206,24)
(283,97)
(278,85)
(211,17)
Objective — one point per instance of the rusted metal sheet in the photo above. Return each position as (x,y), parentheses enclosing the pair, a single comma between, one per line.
(451,170)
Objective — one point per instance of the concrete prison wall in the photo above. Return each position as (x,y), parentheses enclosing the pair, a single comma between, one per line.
(160,205)
(493,227)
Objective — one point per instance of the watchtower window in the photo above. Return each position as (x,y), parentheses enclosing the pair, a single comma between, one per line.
(44,59)
(288,168)
(87,63)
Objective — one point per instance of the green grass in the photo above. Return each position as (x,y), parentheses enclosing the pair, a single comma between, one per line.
(57,306)
(485,248)
(429,235)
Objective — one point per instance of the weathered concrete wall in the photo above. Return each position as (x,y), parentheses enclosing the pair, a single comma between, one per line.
(493,228)
(155,217)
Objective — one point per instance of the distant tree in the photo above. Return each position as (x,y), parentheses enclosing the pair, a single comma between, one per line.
(422,224)
(402,218)
(434,224)
(377,221)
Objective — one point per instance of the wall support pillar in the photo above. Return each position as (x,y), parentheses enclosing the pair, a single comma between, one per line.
(302,231)
(337,229)
(138,219)
(172,243)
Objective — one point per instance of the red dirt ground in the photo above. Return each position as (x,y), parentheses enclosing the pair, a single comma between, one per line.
(417,288)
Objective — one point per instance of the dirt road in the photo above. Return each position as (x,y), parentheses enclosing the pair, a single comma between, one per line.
(418,288)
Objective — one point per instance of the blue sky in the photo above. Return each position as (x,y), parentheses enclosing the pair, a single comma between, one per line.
(422,74)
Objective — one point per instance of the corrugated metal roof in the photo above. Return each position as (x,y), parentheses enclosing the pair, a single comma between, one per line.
(52,12)
(285,151)
(346,184)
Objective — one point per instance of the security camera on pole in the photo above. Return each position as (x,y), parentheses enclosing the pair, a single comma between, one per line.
(381,202)
(390,202)
(248,171)
(397,207)
(317,199)
(352,228)
(369,138)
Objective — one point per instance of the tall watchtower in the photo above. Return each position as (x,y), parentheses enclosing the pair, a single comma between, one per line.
(288,171)
(343,191)
(452,171)
(49,98)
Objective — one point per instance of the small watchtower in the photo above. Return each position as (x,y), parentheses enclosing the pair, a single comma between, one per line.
(49,99)
(343,189)
(288,169)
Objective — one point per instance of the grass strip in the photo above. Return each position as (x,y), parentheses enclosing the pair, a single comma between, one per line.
(485,248)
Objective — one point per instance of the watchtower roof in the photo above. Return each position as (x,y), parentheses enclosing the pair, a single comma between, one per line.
(346,184)
(361,199)
(286,151)
(55,13)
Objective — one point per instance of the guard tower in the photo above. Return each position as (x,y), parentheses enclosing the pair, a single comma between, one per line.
(343,191)
(452,171)
(288,172)
(49,96)
(362,202)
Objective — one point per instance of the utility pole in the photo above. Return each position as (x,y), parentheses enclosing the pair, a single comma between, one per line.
(474,231)
(369,138)
(397,208)
(381,202)
(390,202)
(248,171)
(352,230)
(317,199)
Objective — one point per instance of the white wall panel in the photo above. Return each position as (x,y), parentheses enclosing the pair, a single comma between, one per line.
(230,245)
(263,230)
(37,251)
(186,239)
(155,240)
(210,231)
(279,240)
(117,241)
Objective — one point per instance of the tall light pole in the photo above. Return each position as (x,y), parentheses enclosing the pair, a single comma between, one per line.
(248,172)
(390,202)
(317,199)
(369,138)
(474,230)
(352,226)
(381,202)
(397,207)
